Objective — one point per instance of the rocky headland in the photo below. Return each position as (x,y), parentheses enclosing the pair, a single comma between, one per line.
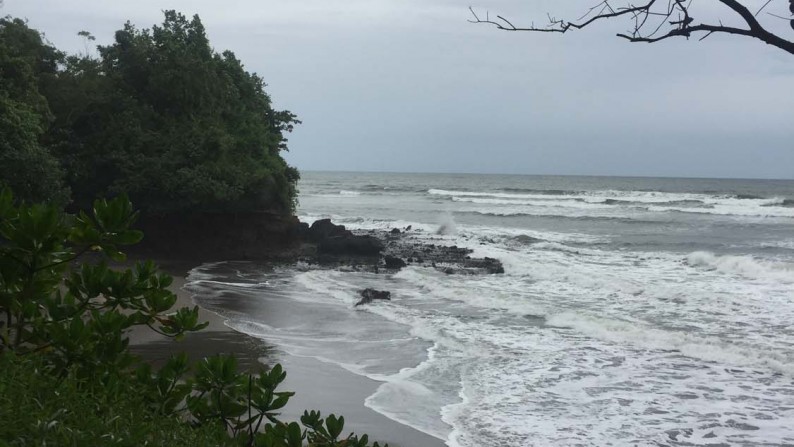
(207,237)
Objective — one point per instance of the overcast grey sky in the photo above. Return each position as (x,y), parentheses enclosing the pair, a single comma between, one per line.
(409,85)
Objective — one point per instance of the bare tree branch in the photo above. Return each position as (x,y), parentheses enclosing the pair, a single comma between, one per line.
(762,7)
(674,20)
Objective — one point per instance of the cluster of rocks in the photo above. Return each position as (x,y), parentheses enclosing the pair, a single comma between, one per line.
(373,250)
(263,236)
(204,237)
(336,240)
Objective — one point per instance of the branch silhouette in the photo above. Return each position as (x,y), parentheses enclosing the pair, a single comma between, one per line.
(656,20)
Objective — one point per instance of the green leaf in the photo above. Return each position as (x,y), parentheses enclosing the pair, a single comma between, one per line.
(335,426)
(294,435)
(6,203)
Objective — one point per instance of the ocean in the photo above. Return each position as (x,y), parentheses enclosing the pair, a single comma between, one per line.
(632,311)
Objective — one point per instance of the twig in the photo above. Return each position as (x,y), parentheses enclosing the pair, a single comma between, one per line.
(676,21)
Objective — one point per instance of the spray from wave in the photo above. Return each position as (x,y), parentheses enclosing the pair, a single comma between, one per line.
(447,225)
(746,266)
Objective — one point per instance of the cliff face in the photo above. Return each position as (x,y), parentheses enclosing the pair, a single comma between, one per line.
(203,236)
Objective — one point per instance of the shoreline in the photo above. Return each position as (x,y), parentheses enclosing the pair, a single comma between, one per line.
(317,385)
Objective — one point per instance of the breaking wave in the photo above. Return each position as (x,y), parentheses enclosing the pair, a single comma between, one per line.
(746,266)
(608,202)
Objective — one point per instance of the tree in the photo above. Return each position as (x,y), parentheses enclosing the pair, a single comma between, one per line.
(161,116)
(158,115)
(654,21)
(25,165)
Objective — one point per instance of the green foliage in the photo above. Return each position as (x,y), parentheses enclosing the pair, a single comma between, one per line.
(79,315)
(243,405)
(38,407)
(66,374)
(159,115)
(25,166)
(162,117)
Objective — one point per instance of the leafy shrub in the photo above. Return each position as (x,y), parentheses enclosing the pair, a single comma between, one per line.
(65,322)
(39,407)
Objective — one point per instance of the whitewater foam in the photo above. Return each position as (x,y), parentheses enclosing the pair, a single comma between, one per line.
(623,317)
(746,266)
(689,344)
(609,202)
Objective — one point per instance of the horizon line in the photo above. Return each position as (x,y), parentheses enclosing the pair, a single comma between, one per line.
(548,175)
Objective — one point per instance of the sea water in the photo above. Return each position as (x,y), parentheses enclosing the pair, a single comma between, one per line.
(632,311)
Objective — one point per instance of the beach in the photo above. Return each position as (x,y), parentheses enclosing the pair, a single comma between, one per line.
(318,386)
(629,311)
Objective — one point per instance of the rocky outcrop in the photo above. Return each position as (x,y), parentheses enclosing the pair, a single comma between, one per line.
(373,250)
(263,236)
(368,295)
(215,236)
(352,245)
(448,259)
(325,229)
(337,241)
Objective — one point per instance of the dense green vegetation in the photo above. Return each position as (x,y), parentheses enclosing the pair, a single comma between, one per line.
(25,165)
(42,408)
(158,115)
(162,118)
(66,374)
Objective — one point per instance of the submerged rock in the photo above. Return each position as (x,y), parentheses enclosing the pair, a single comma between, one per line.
(486,265)
(524,239)
(393,262)
(367,295)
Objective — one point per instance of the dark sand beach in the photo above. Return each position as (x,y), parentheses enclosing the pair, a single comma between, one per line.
(318,386)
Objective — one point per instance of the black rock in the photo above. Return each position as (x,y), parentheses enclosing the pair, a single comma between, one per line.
(393,262)
(367,295)
(395,231)
(350,245)
(324,229)
(302,230)
(487,265)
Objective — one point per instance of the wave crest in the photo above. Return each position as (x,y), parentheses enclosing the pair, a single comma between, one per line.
(746,266)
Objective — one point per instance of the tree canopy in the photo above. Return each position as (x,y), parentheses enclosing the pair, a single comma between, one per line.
(25,165)
(158,115)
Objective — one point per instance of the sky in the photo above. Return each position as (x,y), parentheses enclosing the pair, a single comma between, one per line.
(412,86)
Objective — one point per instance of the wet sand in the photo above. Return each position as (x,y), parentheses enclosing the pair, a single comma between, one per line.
(318,386)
